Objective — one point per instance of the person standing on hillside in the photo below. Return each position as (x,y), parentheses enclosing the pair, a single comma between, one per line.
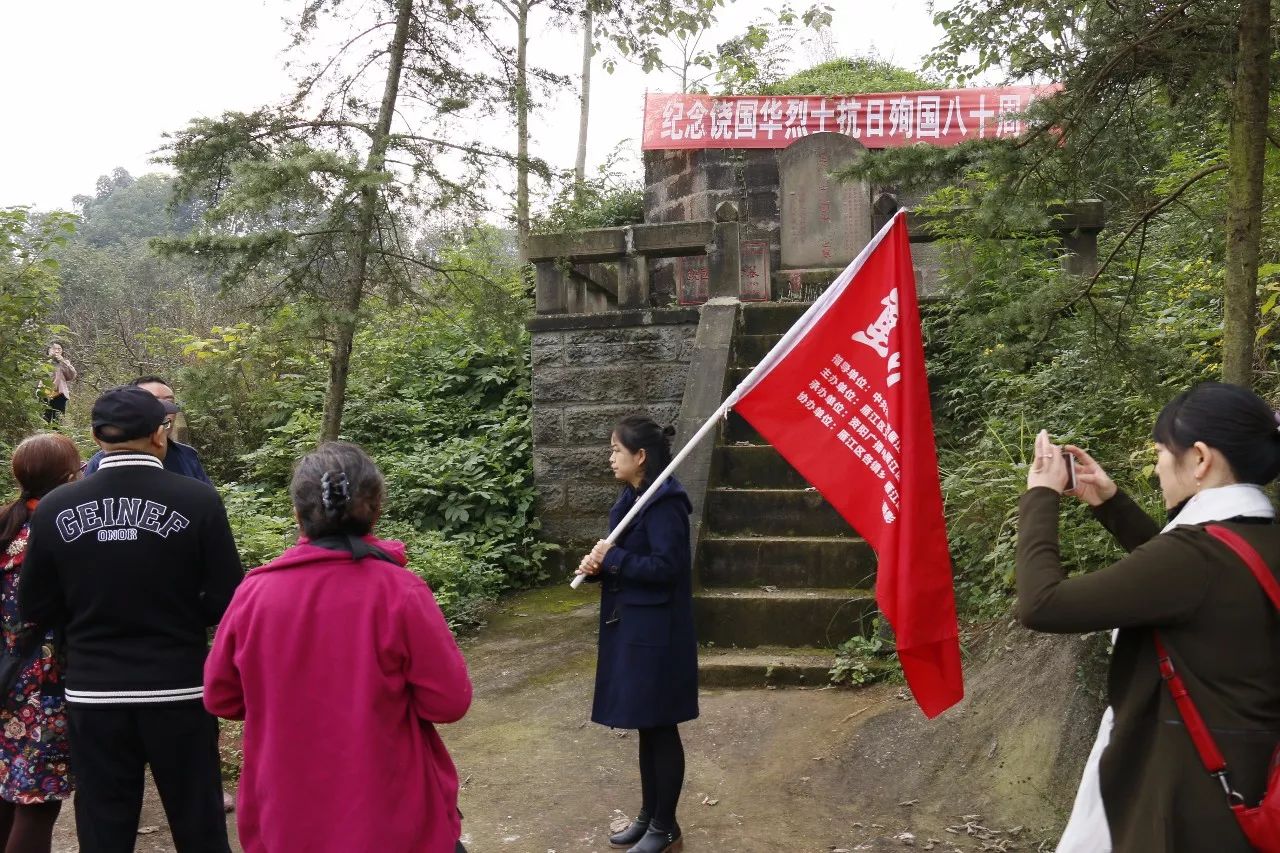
(137,563)
(35,756)
(58,388)
(1187,605)
(647,667)
(179,458)
(341,665)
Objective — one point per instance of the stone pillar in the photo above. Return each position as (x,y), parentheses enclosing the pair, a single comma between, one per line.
(633,282)
(549,293)
(725,258)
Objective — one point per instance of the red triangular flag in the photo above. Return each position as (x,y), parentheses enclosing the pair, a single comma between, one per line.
(844,398)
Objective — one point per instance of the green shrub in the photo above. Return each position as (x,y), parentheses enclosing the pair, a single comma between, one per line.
(439,398)
(866,659)
(852,76)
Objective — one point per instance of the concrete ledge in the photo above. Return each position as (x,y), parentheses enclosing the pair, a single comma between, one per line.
(614,319)
(747,618)
(764,668)
(601,244)
(673,238)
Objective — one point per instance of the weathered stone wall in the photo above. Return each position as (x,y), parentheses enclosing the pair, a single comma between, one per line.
(590,371)
(687,185)
(682,186)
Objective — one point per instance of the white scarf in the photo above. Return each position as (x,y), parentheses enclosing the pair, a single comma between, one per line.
(1087,830)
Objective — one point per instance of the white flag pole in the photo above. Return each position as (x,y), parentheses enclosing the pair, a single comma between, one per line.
(775,355)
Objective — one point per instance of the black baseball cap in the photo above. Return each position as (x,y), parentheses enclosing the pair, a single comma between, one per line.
(128,412)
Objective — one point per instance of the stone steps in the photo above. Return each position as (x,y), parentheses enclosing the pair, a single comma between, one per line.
(790,562)
(748,617)
(764,667)
(773,512)
(783,579)
(735,430)
(755,465)
(770,318)
(749,349)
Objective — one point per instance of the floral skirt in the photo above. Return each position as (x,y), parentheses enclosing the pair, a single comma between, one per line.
(34,749)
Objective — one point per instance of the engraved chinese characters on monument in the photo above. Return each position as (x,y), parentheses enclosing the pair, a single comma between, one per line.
(825,222)
(693,278)
(754,275)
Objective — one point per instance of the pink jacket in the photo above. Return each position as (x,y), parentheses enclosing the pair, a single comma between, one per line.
(339,670)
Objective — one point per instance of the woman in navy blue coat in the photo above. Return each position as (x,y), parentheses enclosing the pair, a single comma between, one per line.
(647,668)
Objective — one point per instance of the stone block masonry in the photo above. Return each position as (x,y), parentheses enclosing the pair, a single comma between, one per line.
(592,370)
(690,185)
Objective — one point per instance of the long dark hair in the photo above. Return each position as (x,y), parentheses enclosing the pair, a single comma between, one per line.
(641,432)
(1230,419)
(40,463)
(337,490)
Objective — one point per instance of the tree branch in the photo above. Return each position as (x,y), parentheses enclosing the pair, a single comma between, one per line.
(457,146)
(510,10)
(305,89)
(1087,291)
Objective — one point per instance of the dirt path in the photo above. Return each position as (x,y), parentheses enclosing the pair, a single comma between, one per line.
(153,830)
(768,770)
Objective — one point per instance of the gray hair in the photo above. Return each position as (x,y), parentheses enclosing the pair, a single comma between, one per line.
(337,490)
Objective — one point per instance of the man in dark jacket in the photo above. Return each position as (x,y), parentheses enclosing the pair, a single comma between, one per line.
(180,458)
(136,562)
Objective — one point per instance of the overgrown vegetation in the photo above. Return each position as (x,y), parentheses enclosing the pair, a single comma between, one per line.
(609,199)
(852,75)
(28,294)
(866,658)
(439,389)
(439,398)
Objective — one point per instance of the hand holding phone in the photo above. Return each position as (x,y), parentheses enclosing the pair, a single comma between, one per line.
(1071,470)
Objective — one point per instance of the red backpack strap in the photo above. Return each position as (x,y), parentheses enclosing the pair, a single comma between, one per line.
(1252,559)
(1210,755)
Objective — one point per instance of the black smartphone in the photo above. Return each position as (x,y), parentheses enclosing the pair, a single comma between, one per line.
(1071,470)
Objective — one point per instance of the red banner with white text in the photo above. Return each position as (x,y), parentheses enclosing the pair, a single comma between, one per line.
(942,117)
(846,402)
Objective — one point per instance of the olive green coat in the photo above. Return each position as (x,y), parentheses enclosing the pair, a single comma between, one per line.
(1224,637)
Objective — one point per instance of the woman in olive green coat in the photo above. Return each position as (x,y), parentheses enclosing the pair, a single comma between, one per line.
(1216,446)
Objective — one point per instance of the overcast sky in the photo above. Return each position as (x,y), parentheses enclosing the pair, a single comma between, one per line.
(87,86)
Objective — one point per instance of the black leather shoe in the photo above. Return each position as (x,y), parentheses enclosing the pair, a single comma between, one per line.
(633,833)
(659,840)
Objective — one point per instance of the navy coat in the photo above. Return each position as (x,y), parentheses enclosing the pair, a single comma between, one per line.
(647,666)
(180,459)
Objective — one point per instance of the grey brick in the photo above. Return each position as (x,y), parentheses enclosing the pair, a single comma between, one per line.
(570,463)
(633,346)
(576,528)
(586,385)
(551,497)
(548,426)
(592,497)
(592,425)
(665,383)
(547,349)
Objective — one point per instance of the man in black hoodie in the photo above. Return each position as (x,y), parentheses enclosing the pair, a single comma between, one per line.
(136,562)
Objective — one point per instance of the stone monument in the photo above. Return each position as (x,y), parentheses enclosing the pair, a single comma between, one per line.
(825,221)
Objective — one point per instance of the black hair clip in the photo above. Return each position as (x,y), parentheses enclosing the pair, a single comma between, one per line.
(335,491)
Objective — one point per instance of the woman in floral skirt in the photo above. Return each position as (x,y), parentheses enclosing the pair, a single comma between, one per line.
(34,753)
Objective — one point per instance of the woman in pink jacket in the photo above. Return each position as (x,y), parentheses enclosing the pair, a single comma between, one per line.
(340,663)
